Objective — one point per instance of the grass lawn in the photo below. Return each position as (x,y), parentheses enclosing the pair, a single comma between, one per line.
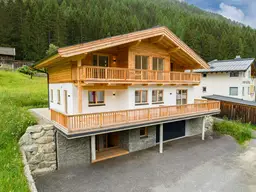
(240,131)
(18,93)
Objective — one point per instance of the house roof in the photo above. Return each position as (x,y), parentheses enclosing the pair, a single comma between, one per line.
(230,99)
(7,51)
(237,64)
(162,32)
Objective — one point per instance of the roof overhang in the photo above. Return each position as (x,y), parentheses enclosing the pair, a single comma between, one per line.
(84,48)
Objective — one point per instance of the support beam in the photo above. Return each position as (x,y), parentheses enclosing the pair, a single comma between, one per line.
(161,138)
(93,148)
(173,50)
(203,128)
(79,86)
(157,40)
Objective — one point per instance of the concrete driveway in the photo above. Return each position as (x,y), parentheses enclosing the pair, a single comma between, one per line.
(187,165)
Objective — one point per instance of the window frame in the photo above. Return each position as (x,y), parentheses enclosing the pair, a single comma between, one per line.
(157,59)
(96,103)
(157,96)
(98,55)
(58,97)
(230,91)
(141,103)
(234,74)
(145,135)
(141,62)
(51,95)
(181,103)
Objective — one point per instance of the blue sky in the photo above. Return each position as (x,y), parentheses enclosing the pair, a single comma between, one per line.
(243,11)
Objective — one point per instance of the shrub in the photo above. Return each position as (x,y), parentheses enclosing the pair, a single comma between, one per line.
(240,131)
(27,70)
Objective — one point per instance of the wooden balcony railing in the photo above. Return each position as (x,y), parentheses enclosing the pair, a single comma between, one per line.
(90,121)
(133,75)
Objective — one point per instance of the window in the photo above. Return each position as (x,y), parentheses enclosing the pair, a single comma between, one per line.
(204,75)
(96,98)
(58,94)
(158,64)
(51,95)
(233,91)
(141,97)
(204,89)
(144,132)
(181,97)
(141,62)
(234,74)
(100,60)
(157,96)
(243,91)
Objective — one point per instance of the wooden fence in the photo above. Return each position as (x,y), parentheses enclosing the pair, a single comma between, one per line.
(237,111)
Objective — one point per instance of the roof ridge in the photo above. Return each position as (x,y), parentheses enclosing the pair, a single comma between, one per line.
(228,60)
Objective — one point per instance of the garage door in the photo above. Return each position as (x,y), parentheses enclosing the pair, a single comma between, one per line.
(171,130)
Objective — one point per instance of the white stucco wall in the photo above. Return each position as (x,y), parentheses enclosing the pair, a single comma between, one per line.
(70,90)
(219,84)
(122,100)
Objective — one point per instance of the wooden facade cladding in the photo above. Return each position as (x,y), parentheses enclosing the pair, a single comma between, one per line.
(121,68)
(60,73)
(93,121)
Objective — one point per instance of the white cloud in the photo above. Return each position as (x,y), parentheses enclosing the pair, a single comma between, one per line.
(231,12)
(236,14)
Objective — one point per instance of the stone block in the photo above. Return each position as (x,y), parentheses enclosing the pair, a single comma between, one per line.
(50,157)
(46,164)
(44,140)
(48,127)
(26,139)
(34,129)
(36,159)
(49,133)
(47,148)
(42,171)
(38,135)
(30,148)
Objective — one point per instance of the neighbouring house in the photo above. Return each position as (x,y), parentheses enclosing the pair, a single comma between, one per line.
(230,78)
(7,59)
(7,56)
(122,94)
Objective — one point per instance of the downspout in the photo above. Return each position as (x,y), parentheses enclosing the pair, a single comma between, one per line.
(48,89)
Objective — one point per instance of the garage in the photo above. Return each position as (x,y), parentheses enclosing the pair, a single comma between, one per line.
(171,130)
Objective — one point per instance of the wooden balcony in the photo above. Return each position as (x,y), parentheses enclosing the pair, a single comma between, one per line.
(126,76)
(114,119)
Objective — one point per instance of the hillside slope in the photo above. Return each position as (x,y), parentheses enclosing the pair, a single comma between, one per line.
(31,26)
(18,93)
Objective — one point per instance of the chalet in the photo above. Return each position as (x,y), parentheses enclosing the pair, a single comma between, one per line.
(7,59)
(125,93)
(231,78)
(7,56)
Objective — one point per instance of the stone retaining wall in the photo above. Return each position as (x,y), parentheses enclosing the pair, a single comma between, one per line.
(38,144)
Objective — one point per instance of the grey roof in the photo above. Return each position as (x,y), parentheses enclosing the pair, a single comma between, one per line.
(230,99)
(7,51)
(227,65)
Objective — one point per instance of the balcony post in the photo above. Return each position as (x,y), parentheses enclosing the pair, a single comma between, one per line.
(161,138)
(203,129)
(93,148)
(79,87)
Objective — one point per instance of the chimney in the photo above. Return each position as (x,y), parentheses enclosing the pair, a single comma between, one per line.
(238,57)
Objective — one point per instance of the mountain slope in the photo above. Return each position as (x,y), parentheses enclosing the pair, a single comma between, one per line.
(31,26)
